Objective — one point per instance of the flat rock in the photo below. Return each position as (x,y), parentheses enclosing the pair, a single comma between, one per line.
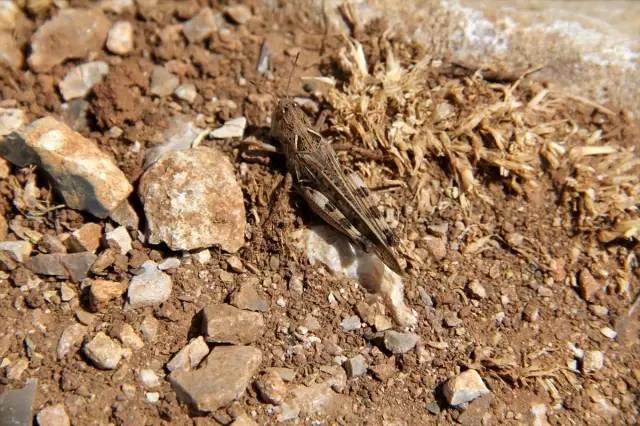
(223,323)
(75,266)
(170,263)
(85,238)
(54,415)
(120,38)
(85,177)
(16,405)
(233,128)
(163,83)
(186,92)
(222,379)
(465,387)
(104,352)
(190,356)
(400,343)
(130,338)
(124,214)
(102,292)
(351,323)
(80,80)
(71,336)
(356,366)
(78,265)
(51,244)
(13,253)
(119,238)
(200,26)
(71,34)
(150,288)
(246,297)
(11,119)
(317,399)
(192,200)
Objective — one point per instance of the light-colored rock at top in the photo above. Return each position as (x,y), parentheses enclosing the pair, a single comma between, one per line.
(120,38)
(200,26)
(71,34)
(80,80)
(85,177)
(192,200)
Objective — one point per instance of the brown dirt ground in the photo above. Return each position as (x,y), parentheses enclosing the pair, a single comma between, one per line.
(520,361)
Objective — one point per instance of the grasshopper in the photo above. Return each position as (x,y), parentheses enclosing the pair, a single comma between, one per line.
(341,199)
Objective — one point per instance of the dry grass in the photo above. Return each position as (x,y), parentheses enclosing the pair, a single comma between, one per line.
(483,130)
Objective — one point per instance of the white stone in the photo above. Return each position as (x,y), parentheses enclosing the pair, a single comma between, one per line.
(592,361)
(163,83)
(152,396)
(149,379)
(150,288)
(202,256)
(608,332)
(169,263)
(192,200)
(66,292)
(120,38)
(80,80)
(351,323)
(465,387)
(120,236)
(190,356)
(233,128)
(82,173)
(11,119)
(187,92)
(326,246)
(200,26)
(477,289)
(104,352)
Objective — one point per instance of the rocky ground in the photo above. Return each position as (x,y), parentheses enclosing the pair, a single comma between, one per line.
(155,271)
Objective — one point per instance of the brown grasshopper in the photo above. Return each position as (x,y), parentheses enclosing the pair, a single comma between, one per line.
(341,199)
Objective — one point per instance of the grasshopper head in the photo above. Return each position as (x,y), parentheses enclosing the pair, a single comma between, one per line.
(287,121)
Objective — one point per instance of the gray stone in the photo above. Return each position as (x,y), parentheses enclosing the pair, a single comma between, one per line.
(475,411)
(124,214)
(120,38)
(54,415)
(150,288)
(223,323)
(72,33)
(400,343)
(351,323)
(439,230)
(465,387)
(71,336)
(75,114)
(13,253)
(190,356)
(80,80)
(200,26)
(104,352)
(296,286)
(66,292)
(246,297)
(16,405)
(163,83)
(356,366)
(222,379)
(48,264)
(192,200)
(85,177)
(78,264)
(120,238)
(592,361)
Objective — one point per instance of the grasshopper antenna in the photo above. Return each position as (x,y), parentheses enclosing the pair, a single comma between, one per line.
(261,87)
(286,94)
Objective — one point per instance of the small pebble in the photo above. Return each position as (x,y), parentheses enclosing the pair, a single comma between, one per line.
(239,14)
(351,323)
(149,378)
(356,366)
(592,361)
(54,415)
(281,302)
(120,38)
(608,332)
(272,388)
(152,397)
(186,92)
(477,290)
(235,264)
(233,128)
(170,263)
